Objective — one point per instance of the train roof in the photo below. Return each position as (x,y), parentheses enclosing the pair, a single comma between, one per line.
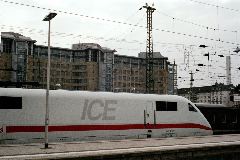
(64,93)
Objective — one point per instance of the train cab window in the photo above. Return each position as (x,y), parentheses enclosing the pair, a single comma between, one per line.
(166,106)
(7,102)
(191,108)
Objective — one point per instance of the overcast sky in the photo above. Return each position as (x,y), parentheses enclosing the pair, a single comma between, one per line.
(178,28)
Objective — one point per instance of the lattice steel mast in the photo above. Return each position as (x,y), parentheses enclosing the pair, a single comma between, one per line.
(149,51)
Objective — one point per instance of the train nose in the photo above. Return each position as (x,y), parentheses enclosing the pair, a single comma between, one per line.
(208,126)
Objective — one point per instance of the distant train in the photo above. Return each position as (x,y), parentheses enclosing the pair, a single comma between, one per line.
(221,118)
(84,115)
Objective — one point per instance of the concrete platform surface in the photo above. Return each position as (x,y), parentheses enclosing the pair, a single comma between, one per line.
(100,148)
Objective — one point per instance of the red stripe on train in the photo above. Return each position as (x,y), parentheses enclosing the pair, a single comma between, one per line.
(14,129)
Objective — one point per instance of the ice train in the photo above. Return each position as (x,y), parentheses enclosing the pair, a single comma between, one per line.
(84,115)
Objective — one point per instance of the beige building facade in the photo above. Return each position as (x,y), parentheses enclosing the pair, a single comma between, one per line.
(87,66)
(130,74)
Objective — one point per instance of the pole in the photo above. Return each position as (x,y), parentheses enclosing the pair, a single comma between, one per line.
(47,91)
(173,74)
(191,87)
(48,18)
(149,51)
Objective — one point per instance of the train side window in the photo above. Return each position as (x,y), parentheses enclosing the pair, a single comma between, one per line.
(166,106)
(191,108)
(7,102)
(172,106)
(161,106)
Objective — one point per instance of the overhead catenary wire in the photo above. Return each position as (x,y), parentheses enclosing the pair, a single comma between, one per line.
(215,71)
(42,32)
(75,35)
(214,5)
(120,22)
(195,24)
(70,13)
(65,35)
(62,34)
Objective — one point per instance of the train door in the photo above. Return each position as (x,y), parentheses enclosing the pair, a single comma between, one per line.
(149,118)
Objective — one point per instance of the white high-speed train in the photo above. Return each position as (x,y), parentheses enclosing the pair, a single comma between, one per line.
(83,115)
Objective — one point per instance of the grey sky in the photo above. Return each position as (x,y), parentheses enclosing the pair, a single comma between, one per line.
(66,29)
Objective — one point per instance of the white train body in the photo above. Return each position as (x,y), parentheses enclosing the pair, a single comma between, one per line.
(83,115)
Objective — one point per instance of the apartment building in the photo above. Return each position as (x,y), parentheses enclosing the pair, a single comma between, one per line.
(104,58)
(215,94)
(86,66)
(14,56)
(128,74)
(73,69)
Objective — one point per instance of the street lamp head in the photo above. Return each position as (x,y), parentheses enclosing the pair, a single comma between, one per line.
(49,16)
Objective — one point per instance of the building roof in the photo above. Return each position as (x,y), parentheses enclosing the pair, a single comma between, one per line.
(84,46)
(16,36)
(155,55)
(206,89)
(118,55)
(59,48)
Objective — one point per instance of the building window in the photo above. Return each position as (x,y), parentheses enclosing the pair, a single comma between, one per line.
(166,106)
(10,102)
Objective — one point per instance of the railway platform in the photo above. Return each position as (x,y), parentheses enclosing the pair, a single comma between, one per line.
(156,148)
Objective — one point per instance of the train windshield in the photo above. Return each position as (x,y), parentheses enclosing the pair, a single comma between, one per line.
(191,108)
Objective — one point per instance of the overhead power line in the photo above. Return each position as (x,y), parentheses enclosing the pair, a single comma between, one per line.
(71,13)
(195,36)
(119,22)
(75,35)
(214,5)
(63,34)
(196,24)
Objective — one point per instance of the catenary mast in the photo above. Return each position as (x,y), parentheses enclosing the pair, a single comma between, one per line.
(149,51)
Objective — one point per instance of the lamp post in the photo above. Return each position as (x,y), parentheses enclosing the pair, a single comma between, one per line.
(48,18)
